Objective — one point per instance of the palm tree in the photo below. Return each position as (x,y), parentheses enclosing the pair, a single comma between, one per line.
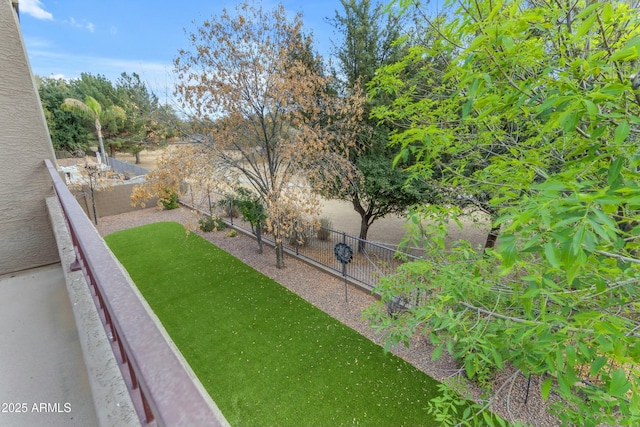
(92,110)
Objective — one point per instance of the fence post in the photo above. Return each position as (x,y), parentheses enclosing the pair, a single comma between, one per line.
(344,264)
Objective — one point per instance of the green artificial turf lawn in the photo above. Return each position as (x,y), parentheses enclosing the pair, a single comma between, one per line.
(266,356)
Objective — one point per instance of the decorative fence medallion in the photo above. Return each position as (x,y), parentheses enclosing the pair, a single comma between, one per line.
(343,253)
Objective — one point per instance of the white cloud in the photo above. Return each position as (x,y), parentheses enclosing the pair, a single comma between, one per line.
(46,62)
(34,8)
(83,25)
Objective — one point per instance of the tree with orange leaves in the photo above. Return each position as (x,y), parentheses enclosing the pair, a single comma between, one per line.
(262,105)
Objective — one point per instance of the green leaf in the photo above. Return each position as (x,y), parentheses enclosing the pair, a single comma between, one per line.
(619,384)
(624,54)
(587,10)
(586,25)
(507,43)
(552,254)
(469,366)
(546,388)
(487,418)
(437,352)
(607,12)
(597,364)
(497,358)
(565,385)
(592,108)
(570,352)
(578,238)
(507,250)
(622,132)
(614,169)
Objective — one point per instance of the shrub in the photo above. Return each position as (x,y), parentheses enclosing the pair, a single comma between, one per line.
(228,205)
(323,232)
(232,233)
(169,200)
(298,234)
(210,223)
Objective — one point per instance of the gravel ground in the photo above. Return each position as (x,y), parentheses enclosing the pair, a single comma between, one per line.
(328,294)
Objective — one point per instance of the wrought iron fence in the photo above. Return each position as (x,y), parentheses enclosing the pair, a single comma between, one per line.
(369,261)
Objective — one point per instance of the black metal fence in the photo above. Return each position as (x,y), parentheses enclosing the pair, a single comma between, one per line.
(369,260)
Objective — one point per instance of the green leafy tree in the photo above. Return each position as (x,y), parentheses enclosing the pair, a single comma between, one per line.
(96,86)
(93,111)
(67,133)
(252,211)
(371,182)
(543,97)
(114,130)
(147,125)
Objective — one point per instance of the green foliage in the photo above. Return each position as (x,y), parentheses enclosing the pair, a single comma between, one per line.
(148,124)
(93,112)
(536,109)
(228,205)
(284,362)
(66,132)
(209,223)
(232,233)
(169,200)
(370,182)
(252,210)
(249,206)
(141,123)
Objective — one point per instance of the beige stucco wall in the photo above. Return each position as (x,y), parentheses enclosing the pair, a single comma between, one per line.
(110,201)
(26,237)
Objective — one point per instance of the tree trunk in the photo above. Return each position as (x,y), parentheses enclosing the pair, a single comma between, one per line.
(103,155)
(279,255)
(492,237)
(277,237)
(365,216)
(364,229)
(137,158)
(258,236)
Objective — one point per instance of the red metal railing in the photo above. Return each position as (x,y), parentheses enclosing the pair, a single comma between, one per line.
(161,388)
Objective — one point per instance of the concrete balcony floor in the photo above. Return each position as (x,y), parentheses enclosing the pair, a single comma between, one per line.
(42,371)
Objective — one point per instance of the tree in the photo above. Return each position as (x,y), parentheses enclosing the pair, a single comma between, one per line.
(262,110)
(92,110)
(147,124)
(66,132)
(371,182)
(252,211)
(546,94)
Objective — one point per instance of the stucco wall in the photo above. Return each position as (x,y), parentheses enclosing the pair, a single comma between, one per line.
(26,237)
(112,201)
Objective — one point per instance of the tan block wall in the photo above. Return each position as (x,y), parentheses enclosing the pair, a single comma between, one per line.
(26,236)
(112,201)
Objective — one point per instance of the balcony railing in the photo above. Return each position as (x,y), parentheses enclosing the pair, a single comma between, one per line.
(160,386)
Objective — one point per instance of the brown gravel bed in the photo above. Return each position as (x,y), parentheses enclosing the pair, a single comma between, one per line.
(328,294)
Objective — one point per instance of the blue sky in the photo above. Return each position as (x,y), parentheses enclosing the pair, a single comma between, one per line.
(64,38)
